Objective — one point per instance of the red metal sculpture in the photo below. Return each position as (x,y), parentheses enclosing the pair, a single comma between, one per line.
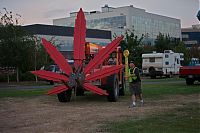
(79,75)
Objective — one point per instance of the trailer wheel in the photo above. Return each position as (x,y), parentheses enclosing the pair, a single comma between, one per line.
(189,81)
(152,72)
(65,96)
(112,88)
(122,86)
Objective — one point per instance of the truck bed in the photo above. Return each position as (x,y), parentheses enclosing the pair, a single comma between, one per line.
(189,70)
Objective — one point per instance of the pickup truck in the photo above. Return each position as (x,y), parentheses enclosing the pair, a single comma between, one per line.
(190,73)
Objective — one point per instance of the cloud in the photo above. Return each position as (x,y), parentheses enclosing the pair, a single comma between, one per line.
(55,13)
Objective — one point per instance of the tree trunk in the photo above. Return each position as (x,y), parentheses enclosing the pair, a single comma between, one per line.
(8,78)
(17,74)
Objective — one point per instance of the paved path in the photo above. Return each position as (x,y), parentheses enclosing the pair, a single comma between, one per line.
(5,86)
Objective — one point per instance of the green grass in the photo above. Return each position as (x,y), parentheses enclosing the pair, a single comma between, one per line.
(180,120)
(26,83)
(185,119)
(158,90)
(21,93)
(162,79)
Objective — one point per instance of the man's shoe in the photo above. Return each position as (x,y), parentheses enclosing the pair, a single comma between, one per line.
(131,106)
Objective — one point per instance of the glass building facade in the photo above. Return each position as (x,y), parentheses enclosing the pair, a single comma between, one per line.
(119,20)
(104,23)
(153,27)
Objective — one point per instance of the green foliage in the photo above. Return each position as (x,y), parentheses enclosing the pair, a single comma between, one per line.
(134,44)
(163,42)
(180,48)
(16,47)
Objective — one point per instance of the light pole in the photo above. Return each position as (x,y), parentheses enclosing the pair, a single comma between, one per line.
(36,48)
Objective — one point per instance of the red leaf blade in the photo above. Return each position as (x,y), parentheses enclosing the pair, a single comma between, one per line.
(103,54)
(57,56)
(57,89)
(95,89)
(50,75)
(104,72)
(79,38)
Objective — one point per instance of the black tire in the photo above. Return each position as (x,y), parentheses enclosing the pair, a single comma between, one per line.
(152,72)
(65,96)
(112,88)
(51,82)
(122,86)
(169,76)
(80,91)
(189,81)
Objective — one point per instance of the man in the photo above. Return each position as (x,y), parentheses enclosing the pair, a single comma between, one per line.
(135,84)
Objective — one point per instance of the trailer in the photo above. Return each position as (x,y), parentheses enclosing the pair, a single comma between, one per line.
(161,64)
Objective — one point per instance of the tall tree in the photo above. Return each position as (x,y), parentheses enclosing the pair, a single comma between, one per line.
(180,48)
(134,44)
(16,47)
(162,43)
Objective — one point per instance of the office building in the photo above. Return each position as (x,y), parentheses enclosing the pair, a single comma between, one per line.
(191,35)
(119,20)
(63,37)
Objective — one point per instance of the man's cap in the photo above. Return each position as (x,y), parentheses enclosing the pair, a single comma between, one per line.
(131,62)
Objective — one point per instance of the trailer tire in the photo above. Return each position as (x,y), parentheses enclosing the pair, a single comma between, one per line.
(152,72)
(189,81)
(65,96)
(112,88)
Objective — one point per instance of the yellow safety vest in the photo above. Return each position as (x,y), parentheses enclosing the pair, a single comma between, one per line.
(132,77)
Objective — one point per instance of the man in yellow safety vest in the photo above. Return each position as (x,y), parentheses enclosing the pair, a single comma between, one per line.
(135,84)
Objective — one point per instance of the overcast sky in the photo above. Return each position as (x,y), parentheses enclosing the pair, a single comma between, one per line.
(43,11)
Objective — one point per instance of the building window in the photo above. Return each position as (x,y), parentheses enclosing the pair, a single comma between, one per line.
(152,59)
(107,23)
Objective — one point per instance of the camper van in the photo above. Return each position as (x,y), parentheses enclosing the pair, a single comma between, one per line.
(161,64)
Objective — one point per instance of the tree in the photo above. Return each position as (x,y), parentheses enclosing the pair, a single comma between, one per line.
(195,51)
(133,43)
(180,48)
(16,47)
(43,59)
(162,43)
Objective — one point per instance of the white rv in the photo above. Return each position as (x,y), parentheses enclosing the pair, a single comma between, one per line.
(159,64)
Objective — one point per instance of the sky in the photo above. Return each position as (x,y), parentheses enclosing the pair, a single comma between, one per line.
(44,11)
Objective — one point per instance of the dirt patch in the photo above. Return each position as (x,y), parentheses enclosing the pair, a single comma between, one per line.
(46,114)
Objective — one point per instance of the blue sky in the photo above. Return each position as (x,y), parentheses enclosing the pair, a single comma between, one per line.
(43,11)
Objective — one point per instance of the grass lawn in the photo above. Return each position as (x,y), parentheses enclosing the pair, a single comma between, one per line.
(21,93)
(155,91)
(185,119)
(180,120)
